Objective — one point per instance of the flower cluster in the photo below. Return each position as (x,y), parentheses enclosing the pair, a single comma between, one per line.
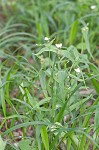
(93,6)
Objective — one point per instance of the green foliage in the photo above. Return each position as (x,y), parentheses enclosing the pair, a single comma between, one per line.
(42,81)
(2,144)
(73,32)
(44,136)
(26,145)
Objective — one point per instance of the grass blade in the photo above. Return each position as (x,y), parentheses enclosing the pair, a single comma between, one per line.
(44,136)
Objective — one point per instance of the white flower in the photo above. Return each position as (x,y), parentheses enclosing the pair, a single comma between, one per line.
(16,144)
(78,70)
(58,45)
(58,106)
(46,39)
(93,6)
(85,28)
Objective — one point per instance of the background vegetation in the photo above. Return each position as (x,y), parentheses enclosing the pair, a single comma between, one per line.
(49,75)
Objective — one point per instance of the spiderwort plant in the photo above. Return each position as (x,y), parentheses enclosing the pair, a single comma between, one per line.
(49,93)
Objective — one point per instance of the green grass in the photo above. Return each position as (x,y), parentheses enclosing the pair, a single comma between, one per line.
(41,85)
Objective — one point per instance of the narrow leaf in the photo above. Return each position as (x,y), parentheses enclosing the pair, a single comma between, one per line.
(44,136)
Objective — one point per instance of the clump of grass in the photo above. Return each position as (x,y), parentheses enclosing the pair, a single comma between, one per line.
(61,118)
(42,84)
(54,18)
